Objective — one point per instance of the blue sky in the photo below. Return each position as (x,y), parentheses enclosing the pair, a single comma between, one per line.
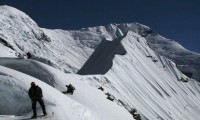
(175,19)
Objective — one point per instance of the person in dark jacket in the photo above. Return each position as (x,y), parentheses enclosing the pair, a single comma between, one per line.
(28,55)
(70,89)
(35,94)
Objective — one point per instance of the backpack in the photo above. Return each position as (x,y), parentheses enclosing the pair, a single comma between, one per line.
(71,86)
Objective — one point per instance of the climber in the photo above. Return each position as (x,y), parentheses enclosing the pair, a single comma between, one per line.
(35,94)
(70,89)
(28,54)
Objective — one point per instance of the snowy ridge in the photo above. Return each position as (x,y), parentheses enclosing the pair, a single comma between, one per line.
(21,35)
(92,36)
(161,45)
(151,86)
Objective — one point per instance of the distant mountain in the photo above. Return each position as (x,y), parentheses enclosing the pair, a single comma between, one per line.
(187,61)
(20,34)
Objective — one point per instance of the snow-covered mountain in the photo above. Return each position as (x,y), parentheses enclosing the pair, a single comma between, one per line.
(123,59)
(21,34)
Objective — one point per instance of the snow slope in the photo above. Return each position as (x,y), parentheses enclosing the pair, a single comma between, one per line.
(186,60)
(21,34)
(134,80)
(87,103)
(18,103)
(150,86)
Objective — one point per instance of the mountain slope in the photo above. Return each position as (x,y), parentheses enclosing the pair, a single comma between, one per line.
(187,61)
(134,81)
(69,50)
(86,103)
(149,84)
(15,101)
(19,33)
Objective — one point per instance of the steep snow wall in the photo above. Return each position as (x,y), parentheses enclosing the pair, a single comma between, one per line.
(160,44)
(20,34)
(149,83)
(153,86)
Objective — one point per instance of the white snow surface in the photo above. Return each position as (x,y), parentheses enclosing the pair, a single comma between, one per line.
(6,52)
(87,103)
(134,75)
(150,87)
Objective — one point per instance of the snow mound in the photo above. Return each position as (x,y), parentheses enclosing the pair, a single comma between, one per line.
(16,101)
(86,103)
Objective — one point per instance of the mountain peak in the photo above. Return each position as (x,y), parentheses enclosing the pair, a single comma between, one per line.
(11,10)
